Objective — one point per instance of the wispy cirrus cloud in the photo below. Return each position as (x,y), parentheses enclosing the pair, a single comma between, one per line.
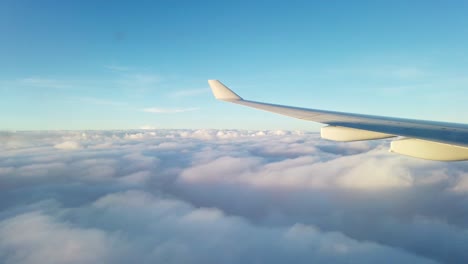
(144,78)
(138,81)
(43,83)
(409,72)
(117,68)
(157,110)
(189,92)
(134,77)
(100,101)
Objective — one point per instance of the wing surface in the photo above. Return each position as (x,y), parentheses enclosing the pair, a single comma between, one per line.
(441,132)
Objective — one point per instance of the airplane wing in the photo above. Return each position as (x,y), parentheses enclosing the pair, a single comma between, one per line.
(422,139)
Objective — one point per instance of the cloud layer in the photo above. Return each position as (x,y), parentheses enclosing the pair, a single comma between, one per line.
(224,196)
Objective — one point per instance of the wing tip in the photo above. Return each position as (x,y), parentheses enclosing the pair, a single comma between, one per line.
(222,92)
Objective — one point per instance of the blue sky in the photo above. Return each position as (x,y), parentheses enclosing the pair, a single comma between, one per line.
(121,65)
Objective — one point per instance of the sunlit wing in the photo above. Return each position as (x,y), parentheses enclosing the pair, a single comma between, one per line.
(422,139)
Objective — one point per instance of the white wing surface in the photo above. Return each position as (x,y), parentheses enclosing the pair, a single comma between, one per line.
(423,139)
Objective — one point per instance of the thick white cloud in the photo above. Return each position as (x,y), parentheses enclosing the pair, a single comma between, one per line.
(68,145)
(224,196)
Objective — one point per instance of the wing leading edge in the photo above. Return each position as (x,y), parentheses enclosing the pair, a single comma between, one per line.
(429,139)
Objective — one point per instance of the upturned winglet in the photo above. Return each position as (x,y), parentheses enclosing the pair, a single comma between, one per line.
(221,92)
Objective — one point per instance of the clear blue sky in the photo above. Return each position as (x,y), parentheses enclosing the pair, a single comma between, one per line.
(128,64)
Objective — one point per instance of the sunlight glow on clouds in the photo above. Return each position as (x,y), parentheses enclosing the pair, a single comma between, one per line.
(224,196)
(68,145)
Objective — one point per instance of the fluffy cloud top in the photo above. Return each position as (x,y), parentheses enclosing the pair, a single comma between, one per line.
(38,238)
(224,196)
(68,145)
